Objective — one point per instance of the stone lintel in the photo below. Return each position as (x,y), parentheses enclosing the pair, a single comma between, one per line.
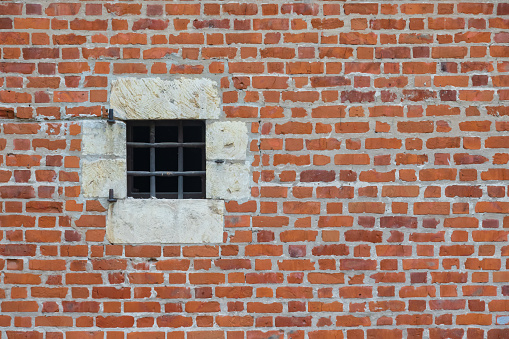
(153,98)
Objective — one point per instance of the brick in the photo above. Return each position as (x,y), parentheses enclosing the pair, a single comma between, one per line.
(354,38)
(12,38)
(475,8)
(31,23)
(294,292)
(85,25)
(352,127)
(396,222)
(17,192)
(115,322)
(240,9)
(123,9)
(11,8)
(57,9)
(335,52)
(419,68)
(368,8)
(271,24)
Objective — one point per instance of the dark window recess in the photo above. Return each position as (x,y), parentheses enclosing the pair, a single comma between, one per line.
(166,159)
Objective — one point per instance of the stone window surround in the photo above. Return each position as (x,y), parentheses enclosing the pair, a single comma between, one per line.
(142,221)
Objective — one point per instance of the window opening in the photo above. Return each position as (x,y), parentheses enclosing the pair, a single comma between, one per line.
(166,159)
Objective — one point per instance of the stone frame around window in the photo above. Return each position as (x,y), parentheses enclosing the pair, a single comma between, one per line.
(144,221)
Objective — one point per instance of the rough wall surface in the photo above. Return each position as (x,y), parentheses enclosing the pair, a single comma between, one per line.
(379,133)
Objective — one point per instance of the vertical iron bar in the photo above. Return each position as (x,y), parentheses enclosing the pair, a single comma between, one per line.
(180,161)
(204,161)
(129,155)
(152,160)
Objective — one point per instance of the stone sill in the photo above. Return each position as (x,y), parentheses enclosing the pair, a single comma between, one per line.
(165,221)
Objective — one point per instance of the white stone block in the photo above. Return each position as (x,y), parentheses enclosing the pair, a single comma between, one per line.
(228,181)
(100,175)
(226,140)
(165,221)
(154,98)
(101,138)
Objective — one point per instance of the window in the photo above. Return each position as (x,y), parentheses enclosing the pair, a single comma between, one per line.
(167,137)
(166,159)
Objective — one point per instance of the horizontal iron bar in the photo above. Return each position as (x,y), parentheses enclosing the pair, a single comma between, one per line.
(165,174)
(165,144)
(169,195)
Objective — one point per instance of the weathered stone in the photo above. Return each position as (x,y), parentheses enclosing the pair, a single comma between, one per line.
(101,138)
(229,181)
(178,221)
(226,140)
(100,175)
(142,221)
(154,98)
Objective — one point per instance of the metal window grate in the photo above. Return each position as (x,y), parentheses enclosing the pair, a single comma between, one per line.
(166,159)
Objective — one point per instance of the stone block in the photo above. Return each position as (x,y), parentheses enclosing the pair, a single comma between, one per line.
(226,140)
(228,181)
(165,221)
(101,138)
(100,175)
(150,99)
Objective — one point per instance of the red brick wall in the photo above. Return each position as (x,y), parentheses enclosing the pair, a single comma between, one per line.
(380,197)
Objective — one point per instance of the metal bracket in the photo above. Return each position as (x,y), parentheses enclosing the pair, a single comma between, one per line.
(110,120)
(219,161)
(110,197)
